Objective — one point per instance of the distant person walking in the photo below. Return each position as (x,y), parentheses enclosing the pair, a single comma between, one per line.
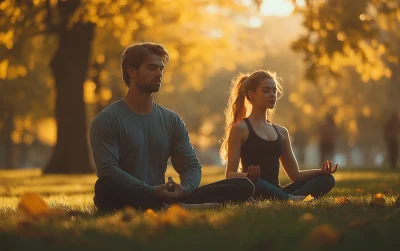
(327,138)
(391,134)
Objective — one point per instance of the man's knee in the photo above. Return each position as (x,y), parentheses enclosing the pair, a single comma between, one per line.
(103,184)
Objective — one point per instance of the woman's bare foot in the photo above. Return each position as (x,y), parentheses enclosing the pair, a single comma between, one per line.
(297,197)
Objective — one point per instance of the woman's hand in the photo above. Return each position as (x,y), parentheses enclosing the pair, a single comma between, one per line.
(253,173)
(327,168)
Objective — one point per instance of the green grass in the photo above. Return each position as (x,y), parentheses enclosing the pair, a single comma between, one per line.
(325,224)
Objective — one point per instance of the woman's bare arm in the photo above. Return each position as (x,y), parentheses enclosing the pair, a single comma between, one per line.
(237,136)
(289,161)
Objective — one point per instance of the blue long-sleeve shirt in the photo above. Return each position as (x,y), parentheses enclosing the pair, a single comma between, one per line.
(133,149)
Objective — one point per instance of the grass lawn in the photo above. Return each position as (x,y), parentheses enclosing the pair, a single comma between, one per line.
(343,220)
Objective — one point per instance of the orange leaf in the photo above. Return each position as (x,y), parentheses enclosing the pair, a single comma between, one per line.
(342,200)
(32,206)
(378,201)
(325,234)
(307,217)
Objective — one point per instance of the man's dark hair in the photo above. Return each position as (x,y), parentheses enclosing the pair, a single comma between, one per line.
(134,55)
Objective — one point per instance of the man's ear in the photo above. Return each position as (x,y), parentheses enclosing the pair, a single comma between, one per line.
(131,72)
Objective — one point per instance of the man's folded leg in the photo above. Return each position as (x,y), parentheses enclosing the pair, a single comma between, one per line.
(111,196)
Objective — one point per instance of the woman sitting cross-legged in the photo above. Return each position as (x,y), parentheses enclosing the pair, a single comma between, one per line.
(260,145)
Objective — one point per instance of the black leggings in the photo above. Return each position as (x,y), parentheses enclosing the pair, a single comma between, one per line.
(110,195)
(316,187)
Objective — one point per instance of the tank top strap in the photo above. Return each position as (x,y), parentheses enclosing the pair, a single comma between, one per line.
(249,126)
(276,129)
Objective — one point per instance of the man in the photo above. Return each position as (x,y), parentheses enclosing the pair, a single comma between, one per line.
(133,138)
(327,138)
(391,134)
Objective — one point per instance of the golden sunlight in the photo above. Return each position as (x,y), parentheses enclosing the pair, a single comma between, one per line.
(47,131)
(279,7)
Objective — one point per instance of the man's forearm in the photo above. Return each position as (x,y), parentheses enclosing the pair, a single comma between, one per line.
(190,179)
(125,179)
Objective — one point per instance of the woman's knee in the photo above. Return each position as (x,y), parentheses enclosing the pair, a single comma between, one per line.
(245,185)
(328,180)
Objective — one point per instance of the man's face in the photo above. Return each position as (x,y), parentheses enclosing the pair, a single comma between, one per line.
(148,77)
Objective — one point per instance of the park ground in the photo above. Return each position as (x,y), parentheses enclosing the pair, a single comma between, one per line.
(57,212)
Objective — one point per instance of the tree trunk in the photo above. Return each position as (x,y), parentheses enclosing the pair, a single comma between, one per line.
(70,68)
(10,146)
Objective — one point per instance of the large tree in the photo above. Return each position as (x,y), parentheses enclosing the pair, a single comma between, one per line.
(74,24)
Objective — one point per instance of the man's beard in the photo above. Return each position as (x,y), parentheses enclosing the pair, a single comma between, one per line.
(149,88)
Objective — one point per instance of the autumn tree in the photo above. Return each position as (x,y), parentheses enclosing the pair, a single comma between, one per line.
(26,93)
(351,51)
(74,25)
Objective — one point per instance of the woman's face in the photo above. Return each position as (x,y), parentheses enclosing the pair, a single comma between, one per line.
(265,95)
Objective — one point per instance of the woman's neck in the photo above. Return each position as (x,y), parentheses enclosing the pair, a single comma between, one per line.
(258,115)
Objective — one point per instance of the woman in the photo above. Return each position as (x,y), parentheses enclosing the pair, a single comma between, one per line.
(260,145)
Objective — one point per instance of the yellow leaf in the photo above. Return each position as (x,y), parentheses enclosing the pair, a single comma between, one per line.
(3,69)
(308,198)
(176,215)
(316,25)
(88,91)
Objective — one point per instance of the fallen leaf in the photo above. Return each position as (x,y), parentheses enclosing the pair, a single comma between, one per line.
(342,201)
(378,201)
(307,217)
(326,234)
(308,198)
(32,206)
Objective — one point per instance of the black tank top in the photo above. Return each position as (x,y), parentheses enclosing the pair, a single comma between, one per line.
(264,153)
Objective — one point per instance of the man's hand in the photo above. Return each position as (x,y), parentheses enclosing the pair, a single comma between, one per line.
(253,173)
(162,192)
(327,168)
